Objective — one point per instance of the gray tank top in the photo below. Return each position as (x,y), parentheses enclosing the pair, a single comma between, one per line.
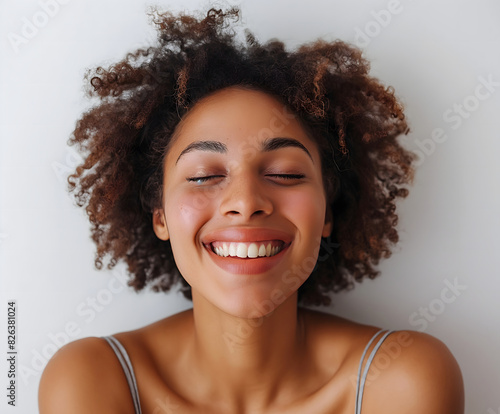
(126,364)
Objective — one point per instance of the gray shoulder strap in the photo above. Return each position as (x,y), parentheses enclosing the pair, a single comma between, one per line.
(360,386)
(124,359)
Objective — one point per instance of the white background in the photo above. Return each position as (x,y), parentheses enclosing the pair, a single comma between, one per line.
(433,52)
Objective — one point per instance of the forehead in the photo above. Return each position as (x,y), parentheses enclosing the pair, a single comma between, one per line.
(237,116)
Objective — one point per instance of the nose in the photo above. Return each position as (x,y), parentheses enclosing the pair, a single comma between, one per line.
(245,196)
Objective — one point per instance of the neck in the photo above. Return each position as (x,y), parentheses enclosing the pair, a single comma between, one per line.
(252,358)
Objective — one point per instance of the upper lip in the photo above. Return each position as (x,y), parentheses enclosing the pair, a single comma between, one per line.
(245,234)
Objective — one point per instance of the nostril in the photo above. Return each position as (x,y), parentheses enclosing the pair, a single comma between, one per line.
(247,205)
(258,212)
(238,213)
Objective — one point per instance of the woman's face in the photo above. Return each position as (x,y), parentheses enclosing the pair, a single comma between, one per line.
(243,202)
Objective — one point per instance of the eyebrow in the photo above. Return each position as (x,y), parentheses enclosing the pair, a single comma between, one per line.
(270,144)
(273,144)
(211,146)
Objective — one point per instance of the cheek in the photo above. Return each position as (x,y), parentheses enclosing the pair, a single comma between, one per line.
(186,212)
(307,210)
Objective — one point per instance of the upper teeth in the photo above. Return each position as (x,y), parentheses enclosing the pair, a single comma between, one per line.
(244,250)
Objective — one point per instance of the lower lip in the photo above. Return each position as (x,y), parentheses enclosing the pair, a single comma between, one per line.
(240,266)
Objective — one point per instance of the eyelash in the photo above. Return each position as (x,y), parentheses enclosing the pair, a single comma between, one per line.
(203,179)
(288,176)
(211,177)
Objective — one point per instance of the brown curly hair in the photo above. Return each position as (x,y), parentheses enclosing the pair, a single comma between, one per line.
(352,117)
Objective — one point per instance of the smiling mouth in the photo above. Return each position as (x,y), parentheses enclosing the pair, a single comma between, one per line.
(251,250)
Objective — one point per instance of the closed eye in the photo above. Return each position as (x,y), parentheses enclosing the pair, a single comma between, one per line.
(207,178)
(204,179)
(286,179)
(287,176)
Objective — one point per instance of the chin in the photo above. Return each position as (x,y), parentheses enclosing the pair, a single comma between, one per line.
(256,305)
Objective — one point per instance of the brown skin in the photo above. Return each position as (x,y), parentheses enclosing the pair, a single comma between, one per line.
(229,354)
(85,376)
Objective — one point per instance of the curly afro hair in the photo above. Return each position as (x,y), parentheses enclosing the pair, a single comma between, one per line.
(352,117)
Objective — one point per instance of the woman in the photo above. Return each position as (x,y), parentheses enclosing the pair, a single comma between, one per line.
(258,179)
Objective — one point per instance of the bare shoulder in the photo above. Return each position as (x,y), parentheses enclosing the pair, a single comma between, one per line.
(84,376)
(414,372)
